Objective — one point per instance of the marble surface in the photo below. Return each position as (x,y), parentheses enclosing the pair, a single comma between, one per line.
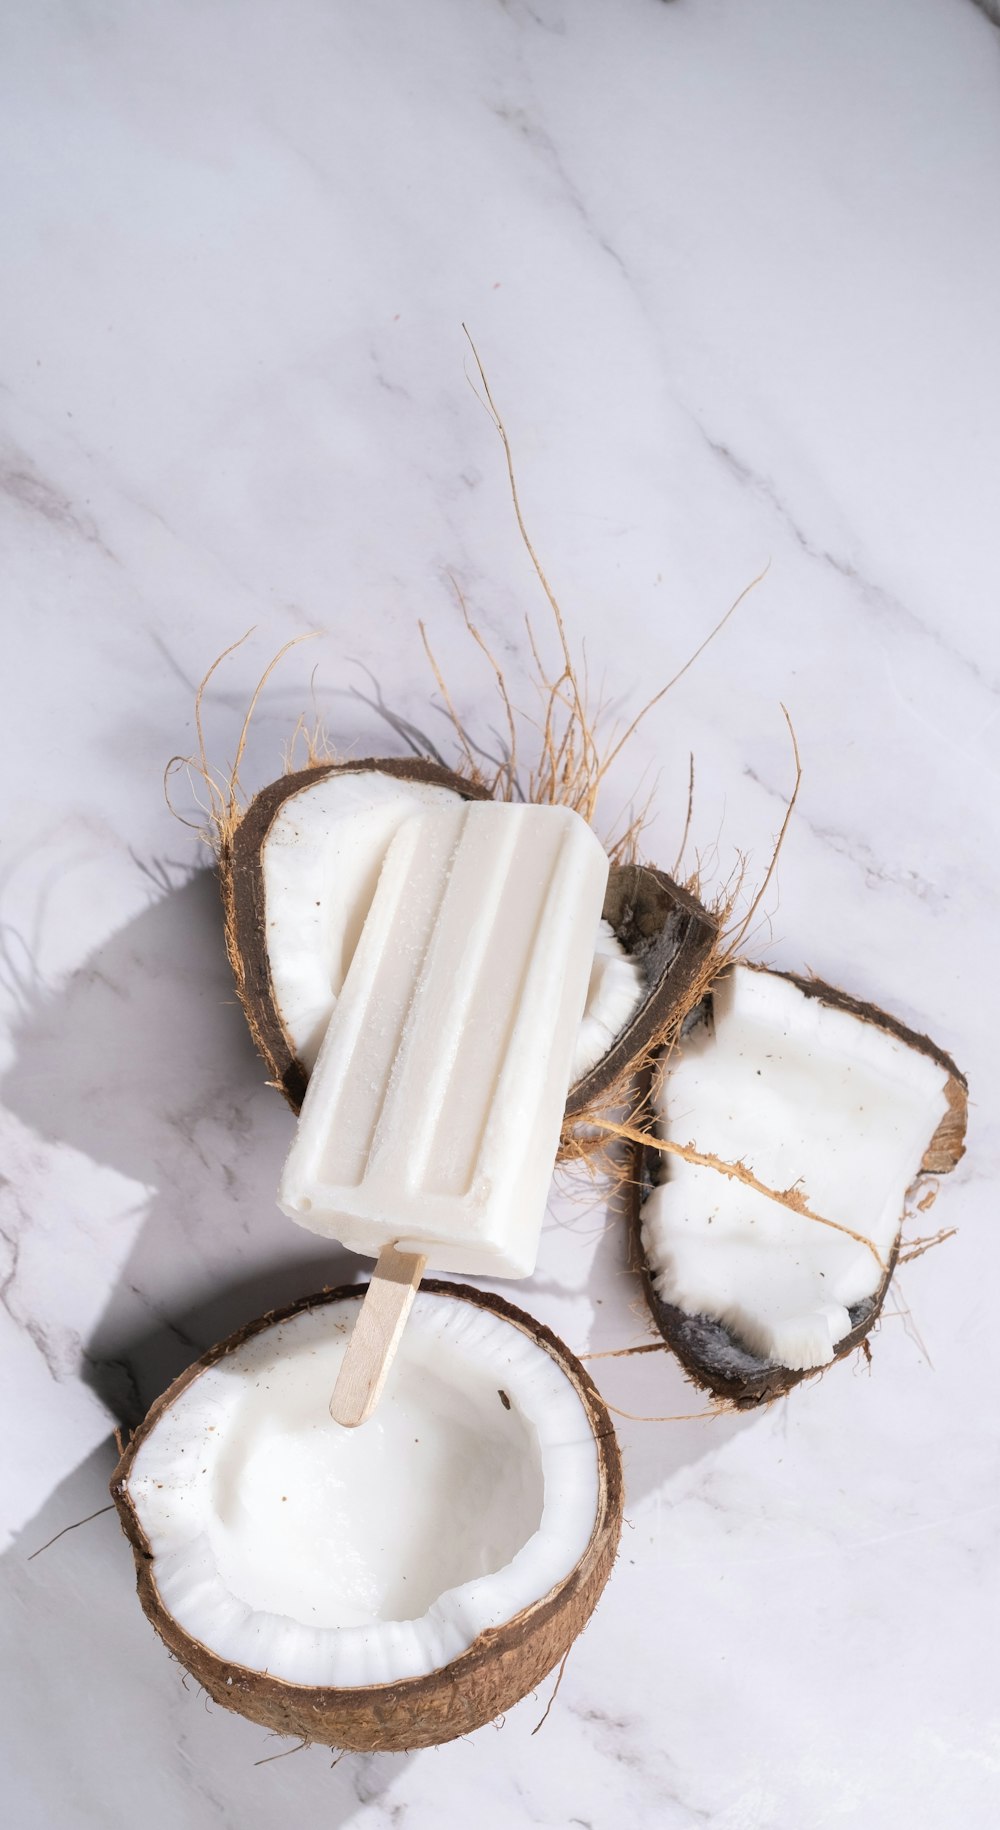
(734,272)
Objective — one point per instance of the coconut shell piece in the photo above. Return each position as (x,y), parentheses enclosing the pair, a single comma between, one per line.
(242,881)
(711,1355)
(662,925)
(501,1666)
(672,936)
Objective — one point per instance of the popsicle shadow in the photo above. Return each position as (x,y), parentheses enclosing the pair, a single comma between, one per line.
(142,1062)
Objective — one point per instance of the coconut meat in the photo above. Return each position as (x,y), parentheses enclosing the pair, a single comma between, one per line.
(320,862)
(616,990)
(809,1097)
(336,1557)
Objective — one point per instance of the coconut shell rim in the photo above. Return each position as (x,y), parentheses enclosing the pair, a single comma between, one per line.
(775,1379)
(356,1715)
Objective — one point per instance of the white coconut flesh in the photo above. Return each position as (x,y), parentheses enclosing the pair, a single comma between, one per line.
(345,1558)
(320,863)
(807,1096)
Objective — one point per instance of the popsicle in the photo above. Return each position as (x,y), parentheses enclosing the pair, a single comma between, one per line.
(431,1122)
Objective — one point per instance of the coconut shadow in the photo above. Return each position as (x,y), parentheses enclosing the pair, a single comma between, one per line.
(104,1717)
(141,1062)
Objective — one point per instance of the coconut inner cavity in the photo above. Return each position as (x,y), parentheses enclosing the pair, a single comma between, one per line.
(342,1528)
(346,1557)
(810,1097)
(320,863)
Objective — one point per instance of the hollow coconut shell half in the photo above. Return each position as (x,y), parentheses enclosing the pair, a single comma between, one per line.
(712,1353)
(505,1660)
(660,925)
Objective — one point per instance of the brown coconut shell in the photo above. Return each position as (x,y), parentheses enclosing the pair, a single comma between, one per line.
(657,921)
(710,1354)
(499,1668)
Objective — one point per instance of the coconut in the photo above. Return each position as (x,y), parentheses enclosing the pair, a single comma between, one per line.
(298,874)
(384,1588)
(788,1128)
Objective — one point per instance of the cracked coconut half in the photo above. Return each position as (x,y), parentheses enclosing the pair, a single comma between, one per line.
(384,1588)
(784,1087)
(299,871)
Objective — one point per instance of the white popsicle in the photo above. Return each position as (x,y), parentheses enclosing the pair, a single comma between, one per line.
(432,1118)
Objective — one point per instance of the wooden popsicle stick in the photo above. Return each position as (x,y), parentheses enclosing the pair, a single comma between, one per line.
(376,1335)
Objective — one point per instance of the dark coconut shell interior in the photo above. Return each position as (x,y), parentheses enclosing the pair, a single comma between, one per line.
(707,1350)
(501,1666)
(671,935)
(659,923)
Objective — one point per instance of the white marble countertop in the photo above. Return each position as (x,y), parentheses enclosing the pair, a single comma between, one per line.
(734,272)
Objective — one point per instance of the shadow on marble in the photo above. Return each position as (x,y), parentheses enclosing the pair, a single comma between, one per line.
(127,1735)
(664,1423)
(142,1063)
